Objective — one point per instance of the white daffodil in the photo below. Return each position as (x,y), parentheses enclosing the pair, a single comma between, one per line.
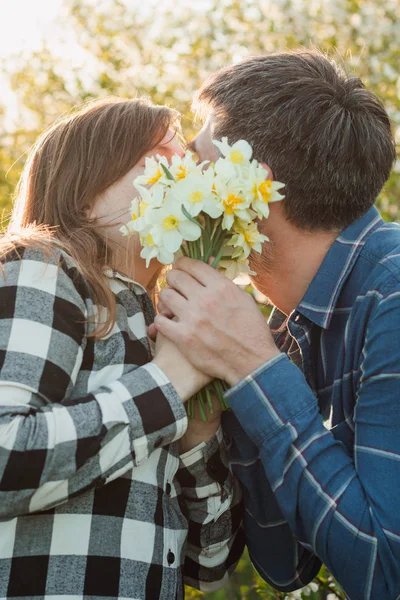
(153,172)
(128,229)
(175,200)
(233,203)
(262,190)
(246,238)
(138,209)
(183,166)
(226,170)
(239,153)
(150,250)
(170,226)
(196,194)
(142,207)
(153,196)
(232,269)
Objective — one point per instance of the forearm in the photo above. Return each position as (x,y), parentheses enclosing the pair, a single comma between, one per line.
(319,491)
(273,549)
(51,451)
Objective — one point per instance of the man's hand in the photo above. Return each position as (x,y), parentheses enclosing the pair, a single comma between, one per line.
(217,326)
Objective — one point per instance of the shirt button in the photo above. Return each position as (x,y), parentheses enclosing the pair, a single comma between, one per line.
(170,557)
(168,489)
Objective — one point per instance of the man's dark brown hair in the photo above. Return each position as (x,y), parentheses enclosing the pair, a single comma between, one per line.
(321,131)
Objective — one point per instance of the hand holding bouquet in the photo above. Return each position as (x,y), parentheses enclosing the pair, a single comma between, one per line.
(204,211)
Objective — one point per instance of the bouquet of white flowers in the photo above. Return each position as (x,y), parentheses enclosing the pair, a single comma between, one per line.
(204,211)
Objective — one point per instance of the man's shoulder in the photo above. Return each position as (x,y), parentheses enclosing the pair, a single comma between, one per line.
(381,254)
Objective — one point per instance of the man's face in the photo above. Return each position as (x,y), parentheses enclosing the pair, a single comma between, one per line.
(202,143)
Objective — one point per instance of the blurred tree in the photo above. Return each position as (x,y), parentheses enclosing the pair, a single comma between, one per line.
(165,50)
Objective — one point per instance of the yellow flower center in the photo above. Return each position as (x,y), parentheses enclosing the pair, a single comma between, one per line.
(181,172)
(142,208)
(265,189)
(134,216)
(231,203)
(170,222)
(236,157)
(248,236)
(149,240)
(155,177)
(195,197)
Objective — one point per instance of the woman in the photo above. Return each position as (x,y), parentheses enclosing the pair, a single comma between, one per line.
(95,498)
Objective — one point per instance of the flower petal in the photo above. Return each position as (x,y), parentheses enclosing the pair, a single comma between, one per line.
(165,257)
(243,147)
(172,240)
(189,230)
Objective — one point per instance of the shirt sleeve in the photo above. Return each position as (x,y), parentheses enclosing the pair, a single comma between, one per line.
(52,444)
(213,507)
(341,505)
(276,554)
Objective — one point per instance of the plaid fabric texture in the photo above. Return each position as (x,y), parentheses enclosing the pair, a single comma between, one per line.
(320,458)
(95,501)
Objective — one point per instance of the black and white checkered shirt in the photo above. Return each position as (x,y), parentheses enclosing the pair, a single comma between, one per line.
(95,501)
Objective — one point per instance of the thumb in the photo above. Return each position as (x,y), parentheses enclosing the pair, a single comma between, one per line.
(152,332)
(167,327)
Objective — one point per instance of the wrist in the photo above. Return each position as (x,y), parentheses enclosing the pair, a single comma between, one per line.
(245,368)
(184,386)
(193,437)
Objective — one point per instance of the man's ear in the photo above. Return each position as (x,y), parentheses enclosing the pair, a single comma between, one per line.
(267,168)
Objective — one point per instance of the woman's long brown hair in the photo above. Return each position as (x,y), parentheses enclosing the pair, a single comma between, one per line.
(68,168)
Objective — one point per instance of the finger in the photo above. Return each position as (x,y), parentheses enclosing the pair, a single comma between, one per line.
(163,310)
(167,327)
(152,332)
(183,283)
(203,273)
(173,301)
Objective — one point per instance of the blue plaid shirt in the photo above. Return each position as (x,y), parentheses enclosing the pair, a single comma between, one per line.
(317,449)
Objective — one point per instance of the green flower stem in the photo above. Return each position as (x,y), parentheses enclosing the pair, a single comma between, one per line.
(209,400)
(201,406)
(211,243)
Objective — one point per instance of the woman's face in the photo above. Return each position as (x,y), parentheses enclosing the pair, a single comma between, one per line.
(113,209)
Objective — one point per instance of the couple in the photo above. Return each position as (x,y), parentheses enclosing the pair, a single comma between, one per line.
(106,489)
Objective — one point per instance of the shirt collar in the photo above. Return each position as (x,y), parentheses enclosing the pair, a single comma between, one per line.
(323,292)
(116,275)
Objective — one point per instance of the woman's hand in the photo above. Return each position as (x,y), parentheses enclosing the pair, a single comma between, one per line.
(201,431)
(186,379)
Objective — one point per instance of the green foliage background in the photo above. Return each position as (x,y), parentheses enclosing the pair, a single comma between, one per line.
(165,49)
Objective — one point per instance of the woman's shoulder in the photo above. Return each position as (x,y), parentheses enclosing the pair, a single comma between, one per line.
(46,266)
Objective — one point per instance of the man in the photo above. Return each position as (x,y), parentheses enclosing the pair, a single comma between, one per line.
(315,431)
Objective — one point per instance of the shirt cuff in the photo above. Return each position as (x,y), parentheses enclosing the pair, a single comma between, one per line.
(157,414)
(271,397)
(205,464)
